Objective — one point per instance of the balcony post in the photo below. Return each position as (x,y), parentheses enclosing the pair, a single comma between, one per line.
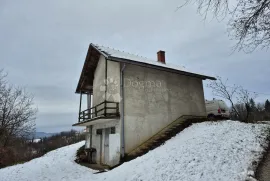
(80,106)
(89,103)
(117,108)
(96,111)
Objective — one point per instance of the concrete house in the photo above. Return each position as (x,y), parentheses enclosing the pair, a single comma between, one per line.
(131,100)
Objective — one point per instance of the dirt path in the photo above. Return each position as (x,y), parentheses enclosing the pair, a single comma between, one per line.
(263,172)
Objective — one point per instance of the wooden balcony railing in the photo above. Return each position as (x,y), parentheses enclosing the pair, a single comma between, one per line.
(104,109)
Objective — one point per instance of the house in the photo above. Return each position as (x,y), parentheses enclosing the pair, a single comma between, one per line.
(130,99)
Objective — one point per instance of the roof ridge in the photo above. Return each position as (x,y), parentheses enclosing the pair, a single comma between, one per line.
(100,46)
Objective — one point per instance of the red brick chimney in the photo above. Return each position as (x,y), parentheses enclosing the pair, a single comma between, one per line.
(161,56)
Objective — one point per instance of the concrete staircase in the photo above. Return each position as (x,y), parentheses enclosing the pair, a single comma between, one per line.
(163,135)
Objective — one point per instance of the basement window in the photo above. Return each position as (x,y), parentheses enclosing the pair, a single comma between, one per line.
(112,130)
(99,131)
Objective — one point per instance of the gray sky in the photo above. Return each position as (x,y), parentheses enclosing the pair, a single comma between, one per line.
(43,45)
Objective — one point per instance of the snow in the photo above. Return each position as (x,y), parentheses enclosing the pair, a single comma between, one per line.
(55,165)
(36,140)
(124,55)
(206,151)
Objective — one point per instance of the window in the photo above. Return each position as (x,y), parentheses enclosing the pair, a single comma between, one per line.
(99,131)
(112,130)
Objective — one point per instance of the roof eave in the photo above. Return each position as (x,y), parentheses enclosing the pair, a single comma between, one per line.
(204,77)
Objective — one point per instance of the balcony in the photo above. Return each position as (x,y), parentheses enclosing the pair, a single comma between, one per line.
(106,109)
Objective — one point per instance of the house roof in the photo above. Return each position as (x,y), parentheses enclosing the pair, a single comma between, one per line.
(121,56)
(124,55)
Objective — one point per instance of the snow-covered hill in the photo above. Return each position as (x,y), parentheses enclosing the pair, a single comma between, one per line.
(204,152)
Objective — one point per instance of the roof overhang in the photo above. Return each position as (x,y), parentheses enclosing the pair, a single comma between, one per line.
(85,84)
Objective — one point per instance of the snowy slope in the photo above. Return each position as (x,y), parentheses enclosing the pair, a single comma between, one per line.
(204,152)
(55,165)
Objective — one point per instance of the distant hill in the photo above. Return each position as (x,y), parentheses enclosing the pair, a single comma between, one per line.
(43,134)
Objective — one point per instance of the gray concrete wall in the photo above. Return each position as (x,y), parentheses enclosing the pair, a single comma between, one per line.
(99,83)
(154,98)
(100,149)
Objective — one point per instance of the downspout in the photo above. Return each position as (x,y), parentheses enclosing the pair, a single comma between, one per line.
(122,111)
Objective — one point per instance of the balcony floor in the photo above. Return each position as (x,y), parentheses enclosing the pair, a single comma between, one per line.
(97,120)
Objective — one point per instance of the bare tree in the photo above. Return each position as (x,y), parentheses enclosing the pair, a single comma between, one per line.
(3,83)
(17,114)
(221,89)
(238,97)
(249,20)
(241,109)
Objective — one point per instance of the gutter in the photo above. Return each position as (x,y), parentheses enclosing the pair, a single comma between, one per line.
(122,111)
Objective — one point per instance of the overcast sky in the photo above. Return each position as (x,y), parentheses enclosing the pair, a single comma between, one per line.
(43,45)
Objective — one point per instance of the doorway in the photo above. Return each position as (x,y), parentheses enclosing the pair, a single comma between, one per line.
(106,146)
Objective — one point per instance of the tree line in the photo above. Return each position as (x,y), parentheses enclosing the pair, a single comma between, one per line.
(252,112)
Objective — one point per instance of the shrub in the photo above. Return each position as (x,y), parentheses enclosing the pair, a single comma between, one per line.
(81,155)
(80,151)
(7,157)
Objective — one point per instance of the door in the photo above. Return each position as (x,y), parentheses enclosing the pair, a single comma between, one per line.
(99,132)
(106,146)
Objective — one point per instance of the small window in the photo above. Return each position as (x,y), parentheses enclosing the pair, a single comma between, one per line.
(99,131)
(112,130)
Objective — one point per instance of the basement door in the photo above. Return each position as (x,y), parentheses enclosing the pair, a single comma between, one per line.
(106,146)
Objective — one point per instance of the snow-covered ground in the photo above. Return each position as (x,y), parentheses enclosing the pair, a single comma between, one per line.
(204,152)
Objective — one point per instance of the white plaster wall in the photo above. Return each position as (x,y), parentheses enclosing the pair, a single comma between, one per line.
(113,77)
(113,84)
(87,140)
(99,83)
(153,99)
(113,94)
(87,137)
(96,139)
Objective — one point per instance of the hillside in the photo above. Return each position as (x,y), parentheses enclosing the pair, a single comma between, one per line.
(43,134)
(207,151)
